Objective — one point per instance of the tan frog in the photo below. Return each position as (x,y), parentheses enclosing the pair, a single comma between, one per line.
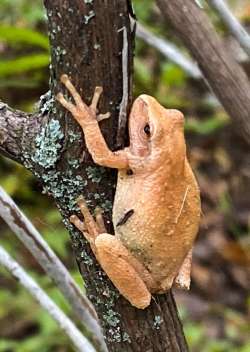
(156,210)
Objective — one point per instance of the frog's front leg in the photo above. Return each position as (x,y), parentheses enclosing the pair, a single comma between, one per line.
(129,276)
(88,119)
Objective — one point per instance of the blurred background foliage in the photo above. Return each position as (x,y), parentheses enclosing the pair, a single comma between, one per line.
(216,311)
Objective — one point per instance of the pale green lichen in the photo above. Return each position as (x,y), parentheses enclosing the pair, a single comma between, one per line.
(58,51)
(73,136)
(97,46)
(54,29)
(74,163)
(95,174)
(115,335)
(46,103)
(126,337)
(85,258)
(88,1)
(106,205)
(64,186)
(112,318)
(48,145)
(157,322)
(88,17)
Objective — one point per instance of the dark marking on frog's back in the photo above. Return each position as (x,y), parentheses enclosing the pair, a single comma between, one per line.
(125,217)
(129,172)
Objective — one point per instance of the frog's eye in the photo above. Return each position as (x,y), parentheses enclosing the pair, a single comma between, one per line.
(147,129)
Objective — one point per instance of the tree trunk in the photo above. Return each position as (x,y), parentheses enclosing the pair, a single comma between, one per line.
(87,41)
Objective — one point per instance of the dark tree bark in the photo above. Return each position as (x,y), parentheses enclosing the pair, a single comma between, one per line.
(225,76)
(87,43)
(17,129)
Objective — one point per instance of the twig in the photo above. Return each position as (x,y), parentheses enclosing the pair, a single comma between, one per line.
(169,50)
(80,342)
(173,53)
(122,119)
(52,265)
(232,23)
(225,76)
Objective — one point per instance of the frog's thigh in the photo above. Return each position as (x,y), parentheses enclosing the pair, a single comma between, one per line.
(182,280)
(115,260)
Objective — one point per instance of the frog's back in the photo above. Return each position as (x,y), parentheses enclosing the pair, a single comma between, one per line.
(157,220)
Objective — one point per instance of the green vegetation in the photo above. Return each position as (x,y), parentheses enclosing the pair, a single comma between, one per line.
(24,77)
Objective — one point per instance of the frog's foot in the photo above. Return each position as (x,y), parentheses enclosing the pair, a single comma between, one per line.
(83,113)
(182,280)
(90,227)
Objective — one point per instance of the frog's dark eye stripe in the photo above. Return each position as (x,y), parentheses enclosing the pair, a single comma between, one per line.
(125,217)
(147,129)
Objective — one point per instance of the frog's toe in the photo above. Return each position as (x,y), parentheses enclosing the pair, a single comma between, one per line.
(100,220)
(78,223)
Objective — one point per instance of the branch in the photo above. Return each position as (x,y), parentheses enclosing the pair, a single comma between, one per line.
(79,341)
(122,118)
(169,50)
(17,131)
(51,264)
(232,23)
(225,76)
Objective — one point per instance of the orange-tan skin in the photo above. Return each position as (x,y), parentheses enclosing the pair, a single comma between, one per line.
(157,190)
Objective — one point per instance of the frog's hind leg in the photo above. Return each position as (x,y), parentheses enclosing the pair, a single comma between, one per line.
(129,276)
(182,280)
(118,262)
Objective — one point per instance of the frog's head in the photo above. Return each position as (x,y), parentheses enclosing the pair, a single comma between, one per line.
(153,128)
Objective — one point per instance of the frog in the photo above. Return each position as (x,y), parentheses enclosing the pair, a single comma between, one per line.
(156,210)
